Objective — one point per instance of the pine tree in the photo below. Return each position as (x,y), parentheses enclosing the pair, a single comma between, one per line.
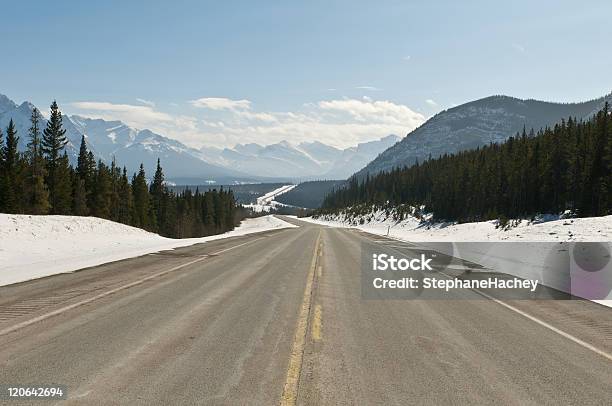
(83,185)
(90,181)
(84,169)
(79,197)
(82,164)
(102,192)
(62,199)
(157,191)
(54,141)
(36,189)
(125,199)
(168,225)
(209,212)
(141,206)
(115,180)
(11,170)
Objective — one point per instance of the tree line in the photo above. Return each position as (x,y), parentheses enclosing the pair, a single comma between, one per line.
(42,181)
(567,167)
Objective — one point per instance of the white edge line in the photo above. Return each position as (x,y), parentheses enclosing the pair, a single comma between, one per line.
(536,320)
(548,326)
(110,292)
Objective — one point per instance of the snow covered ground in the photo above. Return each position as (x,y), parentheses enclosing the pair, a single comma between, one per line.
(529,251)
(36,246)
(412,229)
(266,202)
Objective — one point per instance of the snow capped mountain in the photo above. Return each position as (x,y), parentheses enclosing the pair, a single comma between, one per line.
(353,159)
(322,153)
(6,104)
(478,123)
(130,146)
(108,136)
(248,149)
(20,114)
(307,160)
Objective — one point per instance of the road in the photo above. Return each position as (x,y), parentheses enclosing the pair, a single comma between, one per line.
(278,318)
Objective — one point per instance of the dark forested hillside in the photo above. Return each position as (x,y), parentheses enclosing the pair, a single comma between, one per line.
(568,167)
(477,124)
(309,195)
(42,181)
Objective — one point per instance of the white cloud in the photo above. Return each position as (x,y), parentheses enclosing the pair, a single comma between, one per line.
(140,117)
(256,116)
(146,102)
(339,122)
(431,102)
(368,110)
(221,103)
(406,58)
(124,112)
(370,88)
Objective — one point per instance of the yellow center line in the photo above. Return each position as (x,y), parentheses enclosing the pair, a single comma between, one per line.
(316,323)
(290,390)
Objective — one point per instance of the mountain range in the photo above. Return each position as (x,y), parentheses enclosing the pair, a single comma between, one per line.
(20,114)
(468,126)
(183,164)
(490,120)
(302,161)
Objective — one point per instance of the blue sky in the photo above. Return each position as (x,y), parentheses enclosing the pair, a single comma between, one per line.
(217,73)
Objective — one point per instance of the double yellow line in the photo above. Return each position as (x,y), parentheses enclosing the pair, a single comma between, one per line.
(290,390)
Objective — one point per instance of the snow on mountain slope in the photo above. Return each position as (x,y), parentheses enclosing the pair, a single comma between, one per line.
(130,146)
(355,158)
(477,123)
(108,136)
(322,153)
(36,246)
(6,104)
(304,161)
(20,114)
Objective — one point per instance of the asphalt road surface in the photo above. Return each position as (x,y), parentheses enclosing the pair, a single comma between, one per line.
(278,318)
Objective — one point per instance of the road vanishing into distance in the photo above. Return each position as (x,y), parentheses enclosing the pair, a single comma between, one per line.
(278,318)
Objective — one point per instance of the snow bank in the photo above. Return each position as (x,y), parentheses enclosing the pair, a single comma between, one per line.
(36,246)
(412,229)
(529,250)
